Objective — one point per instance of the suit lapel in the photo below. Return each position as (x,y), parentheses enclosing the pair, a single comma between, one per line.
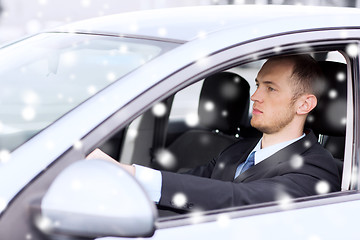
(229,160)
(283,155)
(231,168)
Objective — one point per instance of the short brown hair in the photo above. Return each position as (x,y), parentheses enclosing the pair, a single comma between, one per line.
(306,76)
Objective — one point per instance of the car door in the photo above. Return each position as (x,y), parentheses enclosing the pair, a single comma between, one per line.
(316,217)
(281,219)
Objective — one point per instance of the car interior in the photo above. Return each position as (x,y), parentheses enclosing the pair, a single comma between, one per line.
(222,105)
(328,118)
(223,118)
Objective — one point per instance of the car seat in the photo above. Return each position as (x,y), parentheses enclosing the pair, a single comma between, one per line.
(223,110)
(328,119)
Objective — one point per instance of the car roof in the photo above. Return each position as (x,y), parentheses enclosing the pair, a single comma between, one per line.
(188,23)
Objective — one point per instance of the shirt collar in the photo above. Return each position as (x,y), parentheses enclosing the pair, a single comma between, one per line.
(263,153)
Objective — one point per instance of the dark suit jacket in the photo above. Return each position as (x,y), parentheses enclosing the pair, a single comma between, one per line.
(213,186)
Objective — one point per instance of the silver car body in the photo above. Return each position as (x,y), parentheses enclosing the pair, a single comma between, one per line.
(210,34)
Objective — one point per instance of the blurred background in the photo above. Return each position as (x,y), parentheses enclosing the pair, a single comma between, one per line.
(19,18)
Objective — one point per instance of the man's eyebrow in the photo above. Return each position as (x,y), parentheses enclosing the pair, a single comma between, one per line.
(267,82)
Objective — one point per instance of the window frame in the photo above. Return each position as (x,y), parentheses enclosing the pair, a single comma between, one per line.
(228,58)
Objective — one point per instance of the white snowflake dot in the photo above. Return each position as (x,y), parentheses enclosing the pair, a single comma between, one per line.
(307,144)
(196,217)
(222,165)
(333,93)
(284,201)
(4,156)
(42,2)
(223,220)
(91,90)
(78,145)
(162,32)
(30,97)
(134,27)
(192,119)
(201,34)
(165,158)
(277,49)
(209,106)
(101,13)
(43,223)
(296,161)
(159,109)
(69,59)
(341,76)
(132,133)
(85,3)
(111,77)
(343,121)
(179,200)
(33,26)
(352,50)
(322,187)
(28,113)
(344,34)
(123,49)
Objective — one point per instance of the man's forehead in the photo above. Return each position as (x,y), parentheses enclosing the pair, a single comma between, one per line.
(280,62)
(276,73)
(276,68)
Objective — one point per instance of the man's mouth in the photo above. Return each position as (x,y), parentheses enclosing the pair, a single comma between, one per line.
(256,111)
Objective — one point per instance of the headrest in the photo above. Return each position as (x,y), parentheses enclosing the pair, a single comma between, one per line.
(224,102)
(329,116)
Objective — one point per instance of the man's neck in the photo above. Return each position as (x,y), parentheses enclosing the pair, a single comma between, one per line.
(279,137)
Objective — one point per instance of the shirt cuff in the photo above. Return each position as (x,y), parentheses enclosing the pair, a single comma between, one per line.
(151,180)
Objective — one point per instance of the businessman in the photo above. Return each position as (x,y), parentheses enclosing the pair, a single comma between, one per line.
(287,162)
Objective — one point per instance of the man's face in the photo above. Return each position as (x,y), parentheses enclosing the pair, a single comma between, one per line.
(273,107)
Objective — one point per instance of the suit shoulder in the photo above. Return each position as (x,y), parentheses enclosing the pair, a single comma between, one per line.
(318,150)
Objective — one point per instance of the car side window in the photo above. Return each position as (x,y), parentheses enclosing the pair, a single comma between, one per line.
(180,116)
(164,138)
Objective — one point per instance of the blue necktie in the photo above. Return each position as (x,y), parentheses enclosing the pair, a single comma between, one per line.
(246,165)
(250,161)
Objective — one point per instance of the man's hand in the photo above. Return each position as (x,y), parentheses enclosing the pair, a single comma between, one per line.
(98,154)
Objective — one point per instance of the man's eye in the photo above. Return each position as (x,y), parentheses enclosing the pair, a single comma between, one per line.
(271,89)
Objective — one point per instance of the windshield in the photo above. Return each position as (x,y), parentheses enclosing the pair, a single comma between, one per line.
(47,75)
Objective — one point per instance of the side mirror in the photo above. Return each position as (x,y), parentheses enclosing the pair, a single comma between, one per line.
(95,198)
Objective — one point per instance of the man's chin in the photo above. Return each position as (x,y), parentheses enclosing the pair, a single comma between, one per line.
(259,127)
(254,123)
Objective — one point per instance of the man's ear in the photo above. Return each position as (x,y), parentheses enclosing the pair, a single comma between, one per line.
(306,104)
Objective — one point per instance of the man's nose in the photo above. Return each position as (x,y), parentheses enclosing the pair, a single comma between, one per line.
(256,96)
